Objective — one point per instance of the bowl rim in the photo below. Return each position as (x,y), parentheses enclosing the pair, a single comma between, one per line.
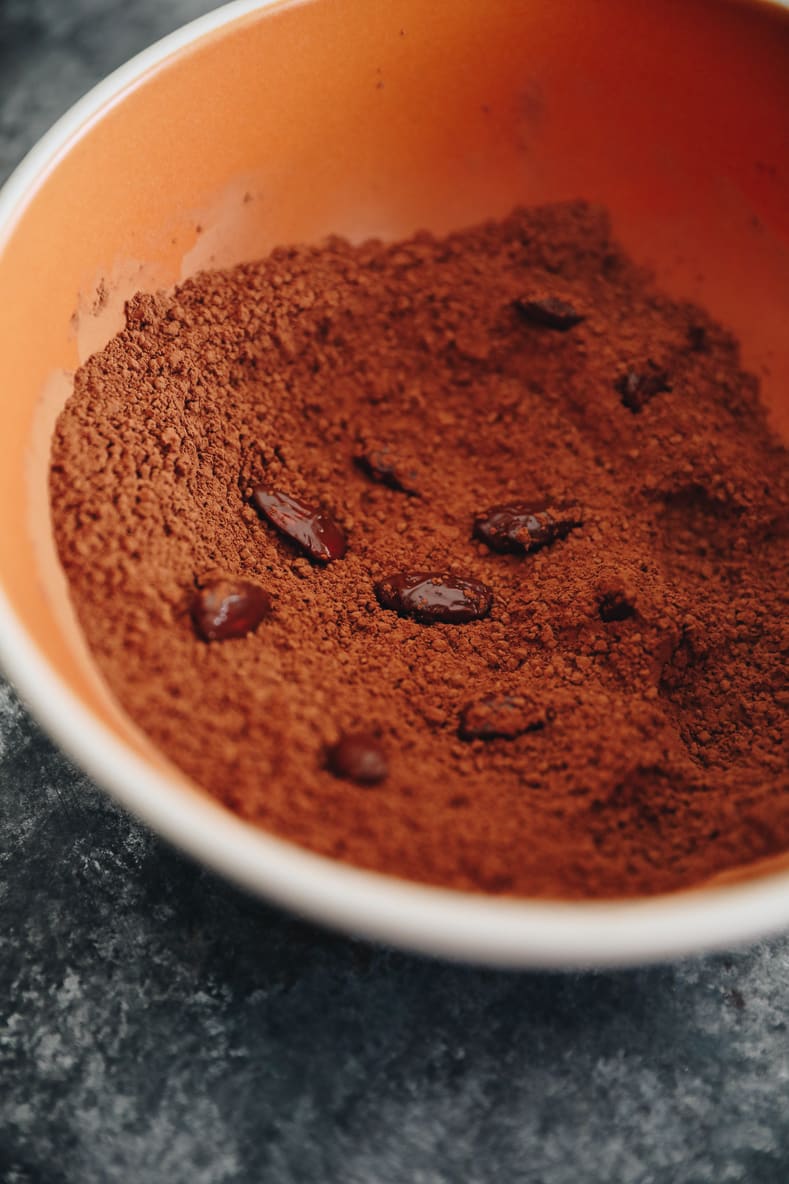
(456,925)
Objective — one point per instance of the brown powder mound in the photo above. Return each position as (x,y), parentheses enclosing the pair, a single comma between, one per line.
(612,727)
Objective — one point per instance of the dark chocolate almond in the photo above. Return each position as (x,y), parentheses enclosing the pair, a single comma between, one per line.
(313,529)
(524,526)
(225,609)
(432,597)
(615,606)
(548,312)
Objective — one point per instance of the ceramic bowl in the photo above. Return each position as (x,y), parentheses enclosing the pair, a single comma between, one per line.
(269,123)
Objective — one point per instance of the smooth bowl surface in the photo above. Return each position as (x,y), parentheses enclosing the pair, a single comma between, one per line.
(268,123)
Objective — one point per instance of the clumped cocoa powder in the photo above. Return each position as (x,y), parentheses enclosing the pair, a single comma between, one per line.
(612,726)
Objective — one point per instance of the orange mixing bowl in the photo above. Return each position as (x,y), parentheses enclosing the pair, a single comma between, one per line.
(268,123)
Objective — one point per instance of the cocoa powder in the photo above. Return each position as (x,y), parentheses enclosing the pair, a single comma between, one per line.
(612,726)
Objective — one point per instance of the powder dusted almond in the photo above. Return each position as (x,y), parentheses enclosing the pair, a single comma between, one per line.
(548,312)
(359,757)
(503,717)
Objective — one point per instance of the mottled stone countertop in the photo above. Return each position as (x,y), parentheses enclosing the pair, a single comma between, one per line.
(156,1025)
